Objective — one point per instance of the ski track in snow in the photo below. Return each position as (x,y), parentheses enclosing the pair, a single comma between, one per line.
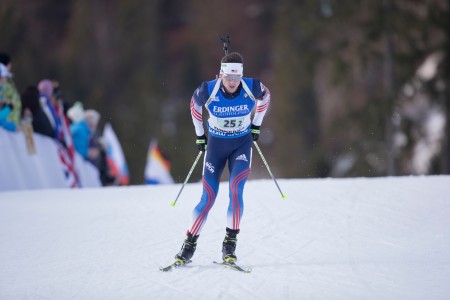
(359,238)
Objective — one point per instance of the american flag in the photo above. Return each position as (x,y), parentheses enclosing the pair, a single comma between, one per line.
(67,153)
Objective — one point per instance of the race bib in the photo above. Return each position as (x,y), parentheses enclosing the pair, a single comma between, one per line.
(230,124)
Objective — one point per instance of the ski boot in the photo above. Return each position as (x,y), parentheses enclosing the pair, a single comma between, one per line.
(187,249)
(229,246)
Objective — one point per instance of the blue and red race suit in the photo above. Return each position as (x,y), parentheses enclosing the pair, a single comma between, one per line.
(229,140)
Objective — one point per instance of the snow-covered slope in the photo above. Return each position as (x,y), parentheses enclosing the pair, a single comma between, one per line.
(379,238)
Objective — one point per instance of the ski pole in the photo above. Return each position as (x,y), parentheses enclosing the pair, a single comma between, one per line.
(268,169)
(187,177)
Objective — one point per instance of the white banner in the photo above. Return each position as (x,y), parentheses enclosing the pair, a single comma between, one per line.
(20,170)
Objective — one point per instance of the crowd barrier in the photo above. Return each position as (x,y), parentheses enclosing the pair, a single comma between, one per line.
(20,170)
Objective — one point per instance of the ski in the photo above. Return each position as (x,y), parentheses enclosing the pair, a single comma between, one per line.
(173,266)
(233,266)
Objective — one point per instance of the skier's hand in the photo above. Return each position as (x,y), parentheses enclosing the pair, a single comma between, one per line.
(255,132)
(201,142)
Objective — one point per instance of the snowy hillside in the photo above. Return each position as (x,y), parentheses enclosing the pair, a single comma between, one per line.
(380,238)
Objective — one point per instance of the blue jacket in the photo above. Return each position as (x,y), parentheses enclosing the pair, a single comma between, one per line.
(81,135)
(8,125)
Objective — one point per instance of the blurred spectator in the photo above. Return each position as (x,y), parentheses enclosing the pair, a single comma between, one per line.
(76,112)
(6,107)
(83,131)
(45,88)
(91,147)
(53,107)
(10,94)
(40,122)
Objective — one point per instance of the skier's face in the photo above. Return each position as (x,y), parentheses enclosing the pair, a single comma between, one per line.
(231,82)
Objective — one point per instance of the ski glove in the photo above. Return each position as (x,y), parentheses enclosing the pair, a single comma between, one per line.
(255,132)
(201,142)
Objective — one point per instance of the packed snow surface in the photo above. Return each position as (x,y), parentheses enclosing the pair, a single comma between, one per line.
(359,238)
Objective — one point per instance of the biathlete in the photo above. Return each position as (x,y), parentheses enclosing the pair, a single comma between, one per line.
(229,100)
